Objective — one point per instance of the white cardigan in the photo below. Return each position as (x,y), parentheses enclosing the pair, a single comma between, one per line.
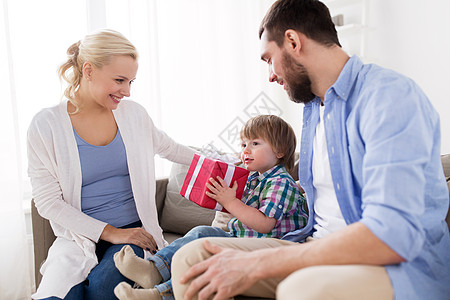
(55,173)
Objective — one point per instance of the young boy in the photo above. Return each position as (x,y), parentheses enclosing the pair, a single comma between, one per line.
(271,206)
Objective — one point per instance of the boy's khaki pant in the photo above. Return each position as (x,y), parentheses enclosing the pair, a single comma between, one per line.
(320,282)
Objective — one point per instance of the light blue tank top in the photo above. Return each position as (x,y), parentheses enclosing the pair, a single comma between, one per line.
(106,193)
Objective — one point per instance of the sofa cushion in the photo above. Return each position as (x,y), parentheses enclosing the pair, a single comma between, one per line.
(179,215)
(221,220)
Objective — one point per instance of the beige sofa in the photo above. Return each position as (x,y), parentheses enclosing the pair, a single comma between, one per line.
(176,214)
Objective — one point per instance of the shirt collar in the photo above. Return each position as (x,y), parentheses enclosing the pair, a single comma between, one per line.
(347,77)
(269,173)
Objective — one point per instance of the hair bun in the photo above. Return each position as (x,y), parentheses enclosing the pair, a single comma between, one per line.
(73,52)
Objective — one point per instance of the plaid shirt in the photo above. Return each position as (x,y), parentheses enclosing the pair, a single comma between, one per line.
(275,194)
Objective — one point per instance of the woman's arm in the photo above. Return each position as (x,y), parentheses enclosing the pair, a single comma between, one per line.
(52,176)
(48,197)
(167,148)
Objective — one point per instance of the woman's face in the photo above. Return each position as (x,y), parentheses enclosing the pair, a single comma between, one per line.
(109,84)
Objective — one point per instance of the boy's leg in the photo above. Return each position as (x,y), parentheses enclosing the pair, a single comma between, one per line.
(165,290)
(194,253)
(337,282)
(162,291)
(124,291)
(148,273)
(105,276)
(163,258)
(141,271)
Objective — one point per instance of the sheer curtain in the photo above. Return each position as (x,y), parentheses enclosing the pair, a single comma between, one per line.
(200,77)
(32,45)
(13,251)
(200,72)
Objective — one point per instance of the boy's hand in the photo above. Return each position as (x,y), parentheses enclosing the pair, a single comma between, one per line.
(219,191)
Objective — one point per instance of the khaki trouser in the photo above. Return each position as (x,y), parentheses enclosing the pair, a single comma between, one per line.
(319,282)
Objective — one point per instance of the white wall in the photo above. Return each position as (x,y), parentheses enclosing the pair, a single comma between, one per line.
(409,36)
(413,38)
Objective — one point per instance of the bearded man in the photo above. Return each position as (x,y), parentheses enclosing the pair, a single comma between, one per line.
(371,171)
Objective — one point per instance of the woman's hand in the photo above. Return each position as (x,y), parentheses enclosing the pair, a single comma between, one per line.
(219,191)
(136,236)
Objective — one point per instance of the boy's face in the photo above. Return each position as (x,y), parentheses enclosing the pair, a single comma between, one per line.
(257,155)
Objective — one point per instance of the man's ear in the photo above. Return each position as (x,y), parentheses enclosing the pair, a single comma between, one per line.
(292,40)
(87,70)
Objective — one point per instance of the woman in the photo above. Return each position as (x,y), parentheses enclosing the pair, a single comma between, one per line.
(92,170)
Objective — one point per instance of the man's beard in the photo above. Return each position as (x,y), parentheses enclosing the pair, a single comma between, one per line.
(296,81)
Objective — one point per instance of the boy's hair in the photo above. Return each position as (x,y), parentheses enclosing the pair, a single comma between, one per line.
(310,17)
(275,131)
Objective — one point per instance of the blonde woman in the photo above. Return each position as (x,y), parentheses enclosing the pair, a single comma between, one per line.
(92,170)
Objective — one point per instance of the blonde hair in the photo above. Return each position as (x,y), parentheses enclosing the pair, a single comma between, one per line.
(275,131)
(96,48)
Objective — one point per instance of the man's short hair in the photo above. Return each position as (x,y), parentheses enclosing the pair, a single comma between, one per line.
(310,17)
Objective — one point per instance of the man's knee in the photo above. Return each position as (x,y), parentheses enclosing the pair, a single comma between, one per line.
(336,282)
(308,283)
(293,286)
(188,255)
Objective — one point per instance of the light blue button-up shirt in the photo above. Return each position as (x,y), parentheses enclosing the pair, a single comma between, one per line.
(383,140)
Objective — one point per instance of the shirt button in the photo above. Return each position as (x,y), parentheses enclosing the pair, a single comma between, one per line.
(280,206)
(338,186)
(332,150)
(328,116)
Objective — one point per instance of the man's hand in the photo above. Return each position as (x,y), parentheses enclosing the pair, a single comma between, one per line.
(226,274)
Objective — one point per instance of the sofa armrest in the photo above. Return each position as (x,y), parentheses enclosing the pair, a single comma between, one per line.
(43,238)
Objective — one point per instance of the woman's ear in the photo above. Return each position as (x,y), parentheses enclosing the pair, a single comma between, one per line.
(87,70)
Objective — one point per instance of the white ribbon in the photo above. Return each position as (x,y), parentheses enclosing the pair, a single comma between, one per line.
(228,177)
(194,176)
(229,174)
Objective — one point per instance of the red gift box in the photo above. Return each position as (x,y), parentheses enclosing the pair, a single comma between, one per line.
(201,169)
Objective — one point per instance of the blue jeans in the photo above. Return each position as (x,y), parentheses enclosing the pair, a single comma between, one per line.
(163,258)
(104,277)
